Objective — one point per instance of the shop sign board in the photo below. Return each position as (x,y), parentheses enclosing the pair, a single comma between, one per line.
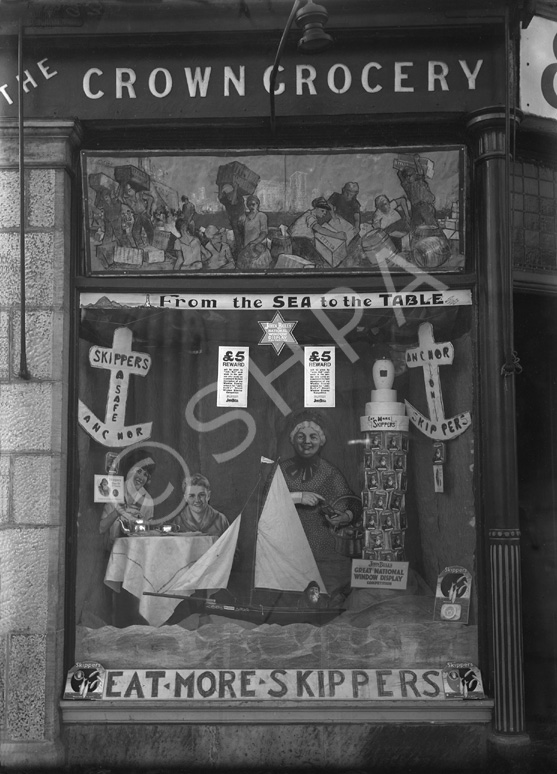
(90,681)
(424,76)
(538,68)
(263,684)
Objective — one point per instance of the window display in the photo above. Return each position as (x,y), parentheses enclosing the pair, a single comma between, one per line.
(258,479)
(398,210)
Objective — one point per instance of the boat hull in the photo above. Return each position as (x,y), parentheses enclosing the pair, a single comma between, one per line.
(258,614)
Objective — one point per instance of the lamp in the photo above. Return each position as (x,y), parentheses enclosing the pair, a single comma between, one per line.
(312,17)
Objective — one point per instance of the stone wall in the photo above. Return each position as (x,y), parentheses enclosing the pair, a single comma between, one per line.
(33,441)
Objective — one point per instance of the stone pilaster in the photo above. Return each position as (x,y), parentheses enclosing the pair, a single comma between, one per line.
(489,130)
(504,547)
(33,437)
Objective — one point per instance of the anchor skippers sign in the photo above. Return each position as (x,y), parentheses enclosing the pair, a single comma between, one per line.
(429,355)
(122,363)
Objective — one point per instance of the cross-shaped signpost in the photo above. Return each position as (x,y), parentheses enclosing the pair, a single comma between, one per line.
(122,362)
(430,355)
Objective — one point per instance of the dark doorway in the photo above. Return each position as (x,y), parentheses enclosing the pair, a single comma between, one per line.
(536,402)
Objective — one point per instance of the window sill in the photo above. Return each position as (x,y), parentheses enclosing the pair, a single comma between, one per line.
(225,712)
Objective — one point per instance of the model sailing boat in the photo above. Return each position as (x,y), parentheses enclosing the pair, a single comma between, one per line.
(270,579)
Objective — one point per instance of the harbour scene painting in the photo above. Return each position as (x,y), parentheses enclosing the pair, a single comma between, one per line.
(328,211)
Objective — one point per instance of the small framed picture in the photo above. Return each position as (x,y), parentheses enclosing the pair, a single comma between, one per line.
(372,553)
(368,459)
(110,464)
(399,461)
(370,519)
(397,501)
(387,520)
(393,441)
(380,461)
(374,539)
(397,541)
(108,489)
(439,452)
(366,499)
(372,479)
(379,500)
(402,481)
(375,440)
(386,556)
(388,480)
(404,444)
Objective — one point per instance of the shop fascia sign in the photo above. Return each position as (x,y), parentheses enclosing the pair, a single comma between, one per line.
(538,68)
(381,77)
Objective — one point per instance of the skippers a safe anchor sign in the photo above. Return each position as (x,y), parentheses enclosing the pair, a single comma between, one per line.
(122,362)
(429,356)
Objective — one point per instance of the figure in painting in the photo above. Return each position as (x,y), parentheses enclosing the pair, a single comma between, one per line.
(198,515)
(306,226)
(314,483)
(191,252)
(188,213)
(430,247)
(111,208)
(140,203)
(385,213)
(216,245)
(233,203)
(254,254)
(347,205)
(414,183)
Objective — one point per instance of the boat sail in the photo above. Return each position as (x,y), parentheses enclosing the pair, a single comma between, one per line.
(284,563)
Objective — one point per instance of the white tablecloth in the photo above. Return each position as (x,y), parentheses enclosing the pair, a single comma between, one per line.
(141,564)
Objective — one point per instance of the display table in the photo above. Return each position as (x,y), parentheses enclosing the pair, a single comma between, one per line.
(140,564)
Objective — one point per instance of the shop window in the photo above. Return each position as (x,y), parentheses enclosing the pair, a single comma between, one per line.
(275,479)
(533,217)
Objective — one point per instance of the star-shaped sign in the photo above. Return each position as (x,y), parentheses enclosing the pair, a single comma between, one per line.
(278,332)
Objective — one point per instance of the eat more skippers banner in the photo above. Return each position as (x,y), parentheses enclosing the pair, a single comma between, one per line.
(455,680)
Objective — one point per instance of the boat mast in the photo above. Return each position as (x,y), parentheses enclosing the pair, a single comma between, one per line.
(262,497)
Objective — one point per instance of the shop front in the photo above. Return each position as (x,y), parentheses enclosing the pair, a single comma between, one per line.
(291,529)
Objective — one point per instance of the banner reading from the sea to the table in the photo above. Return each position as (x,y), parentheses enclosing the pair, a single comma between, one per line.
(343,299)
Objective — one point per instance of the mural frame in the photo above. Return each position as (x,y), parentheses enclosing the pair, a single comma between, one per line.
(139,221)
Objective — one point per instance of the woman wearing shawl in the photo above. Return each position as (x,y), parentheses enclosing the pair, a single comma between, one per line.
(323,500)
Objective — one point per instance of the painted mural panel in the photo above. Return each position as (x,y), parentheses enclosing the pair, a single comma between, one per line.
(207,213)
